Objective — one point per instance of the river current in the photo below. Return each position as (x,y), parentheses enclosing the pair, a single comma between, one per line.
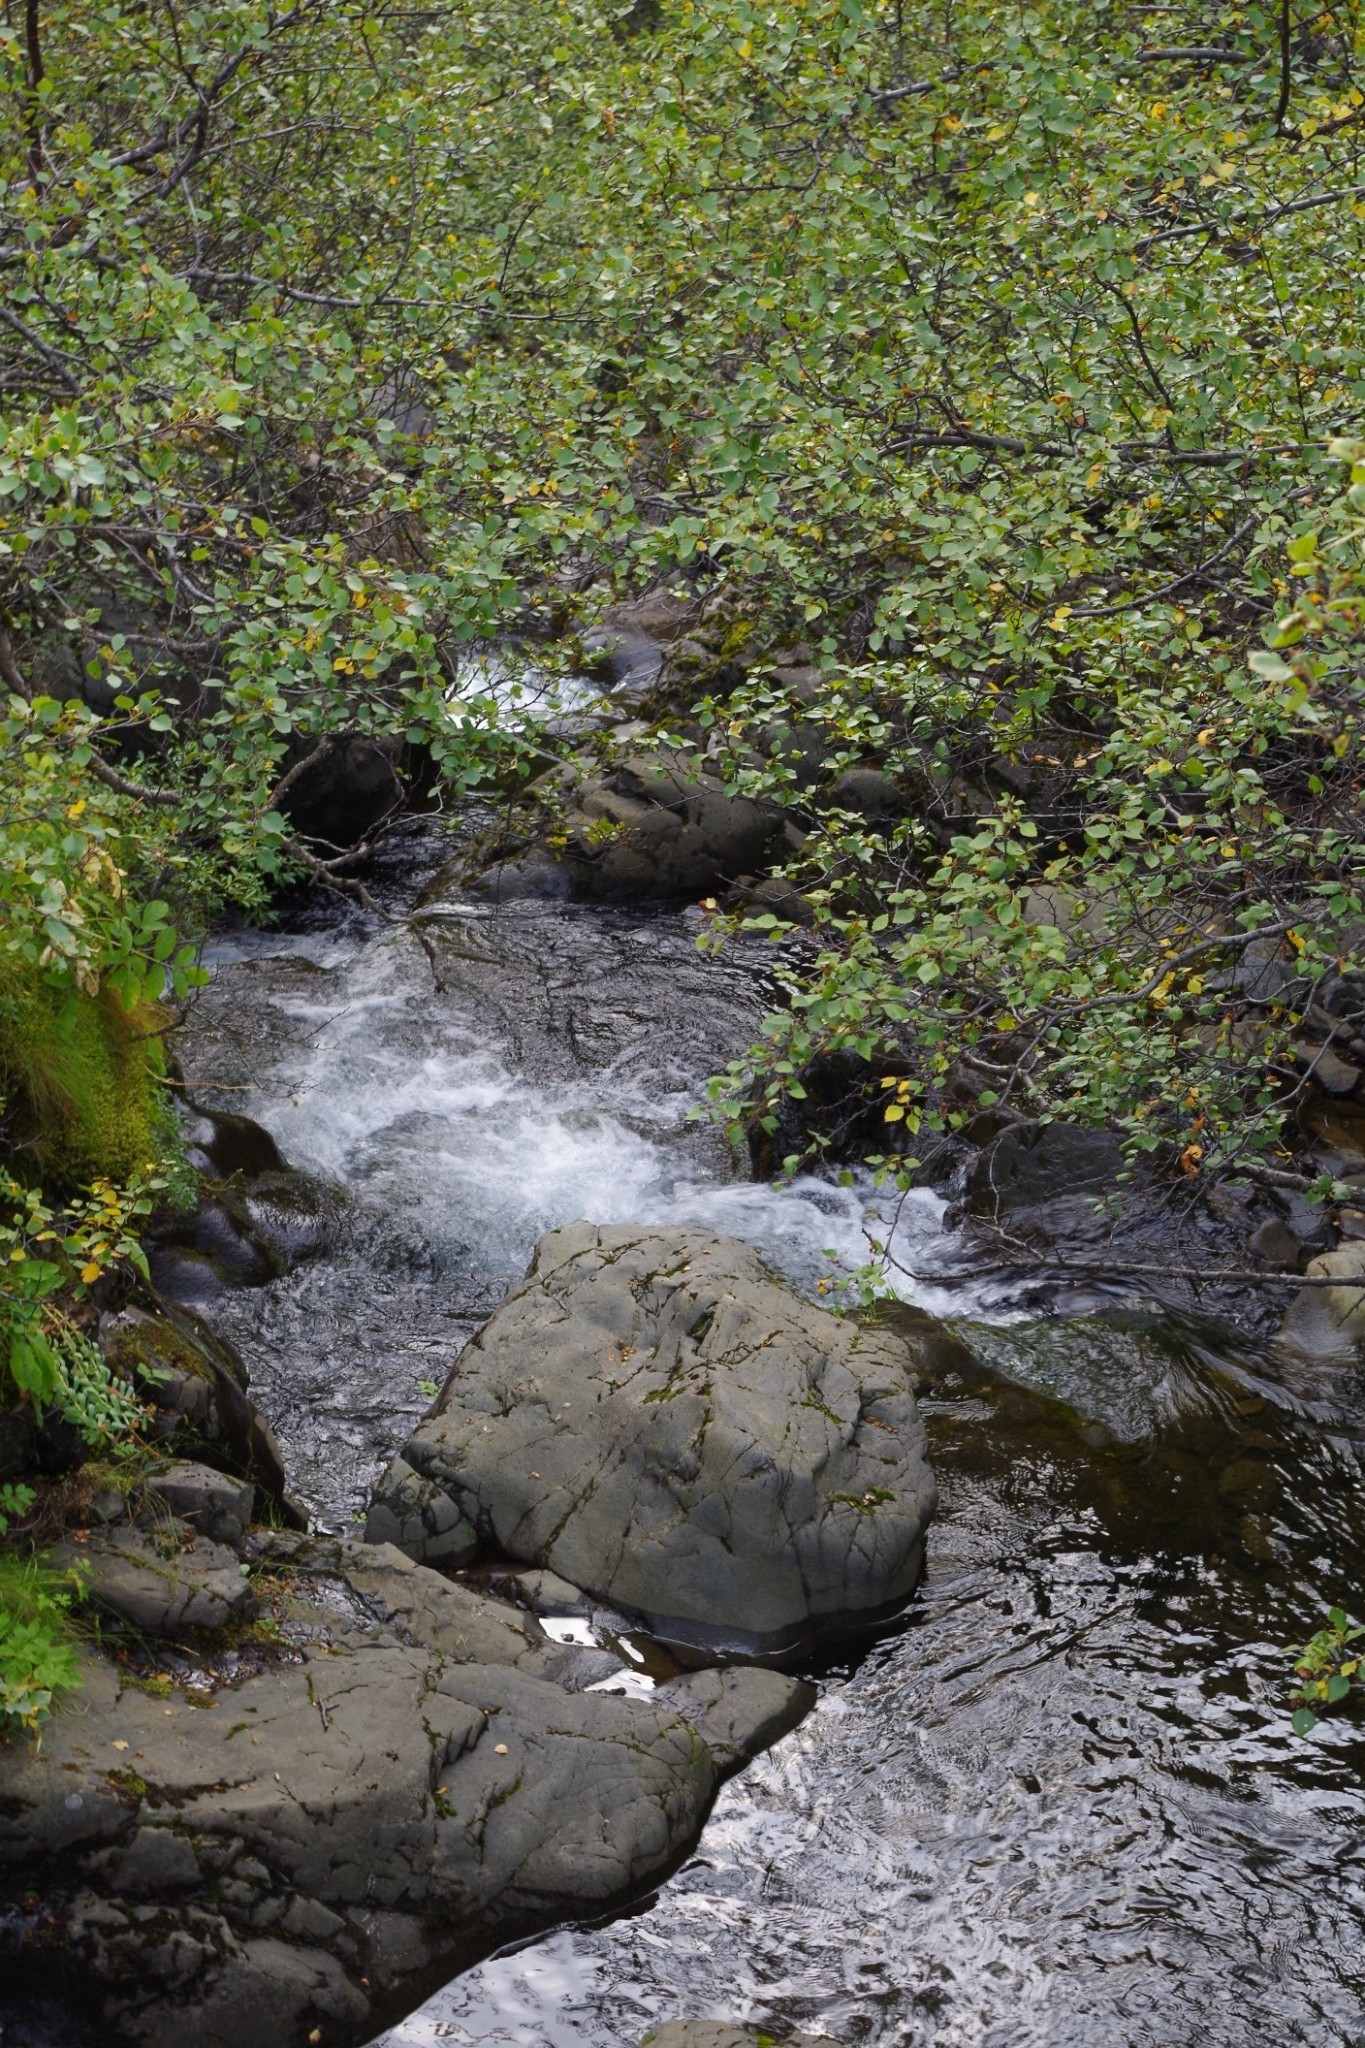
(1061,1802)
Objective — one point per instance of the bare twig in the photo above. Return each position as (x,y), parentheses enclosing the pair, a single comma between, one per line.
(125,786)
(1109,611)
(1282,104)
(41,348)
(10,672)
(1045,1264)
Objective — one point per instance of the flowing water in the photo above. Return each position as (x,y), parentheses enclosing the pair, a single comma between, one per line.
(1061,1804)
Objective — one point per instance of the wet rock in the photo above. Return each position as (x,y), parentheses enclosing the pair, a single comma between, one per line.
(260,1990)
(1328,1323)
(419,1516)
(158,1585)
(347,791)
(580,1666)
(650,1415)
(213,1504)
(294,1215)
(740,1711)
(197,1384)
(1307,1224)
(242,1234)
(189,1277)
(656,827)
(754,895)
(662,616)
(407,1784)
(1032,1164)
(626,659)
(1278,1245)
(16,1442)
(1328,1070)
(222,1144)
(547,1593)
(878,800)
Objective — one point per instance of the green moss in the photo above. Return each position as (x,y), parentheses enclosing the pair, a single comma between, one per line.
(155,1348)
(83,1083)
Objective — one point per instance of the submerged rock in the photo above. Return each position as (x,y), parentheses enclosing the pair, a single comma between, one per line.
(1032,1165)
(652,1416)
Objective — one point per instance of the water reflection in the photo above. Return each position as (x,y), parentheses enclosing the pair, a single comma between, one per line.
(1061,1807)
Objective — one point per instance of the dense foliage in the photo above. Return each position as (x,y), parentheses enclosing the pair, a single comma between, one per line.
(1000,362)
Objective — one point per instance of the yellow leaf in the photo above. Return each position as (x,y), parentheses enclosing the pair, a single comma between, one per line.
(894,1112)
(74,810)
(90,1272)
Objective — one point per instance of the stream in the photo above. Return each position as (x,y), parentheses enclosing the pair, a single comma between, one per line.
(1060,1803)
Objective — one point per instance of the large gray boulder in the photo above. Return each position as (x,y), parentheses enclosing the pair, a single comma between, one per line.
(388,1777)
(656,826)
(655,1418)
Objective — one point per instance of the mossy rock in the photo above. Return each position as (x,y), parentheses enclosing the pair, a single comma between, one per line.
(83,1082)
(134,1347)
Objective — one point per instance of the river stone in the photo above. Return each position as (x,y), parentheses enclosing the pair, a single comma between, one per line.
(652,1416)
(1033,1164)
(741,1711)
(383,1796)
(1328,1323)
(656,827)
(213,1504)
(161,1587)
(420,1518)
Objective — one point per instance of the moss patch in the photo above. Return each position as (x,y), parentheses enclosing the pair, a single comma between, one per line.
(156,1345)
(83,1084)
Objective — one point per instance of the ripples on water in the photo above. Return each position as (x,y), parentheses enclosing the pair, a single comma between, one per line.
(1061,1807)
(551,1076)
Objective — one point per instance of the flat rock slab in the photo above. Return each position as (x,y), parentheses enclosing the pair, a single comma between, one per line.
(403,1783)
(654,1418)
(160,1582)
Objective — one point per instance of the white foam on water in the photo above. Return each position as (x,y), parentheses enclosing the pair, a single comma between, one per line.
(422,1115)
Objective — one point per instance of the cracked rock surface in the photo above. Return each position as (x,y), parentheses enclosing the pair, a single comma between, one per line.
(404,1782)
(652,1416)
